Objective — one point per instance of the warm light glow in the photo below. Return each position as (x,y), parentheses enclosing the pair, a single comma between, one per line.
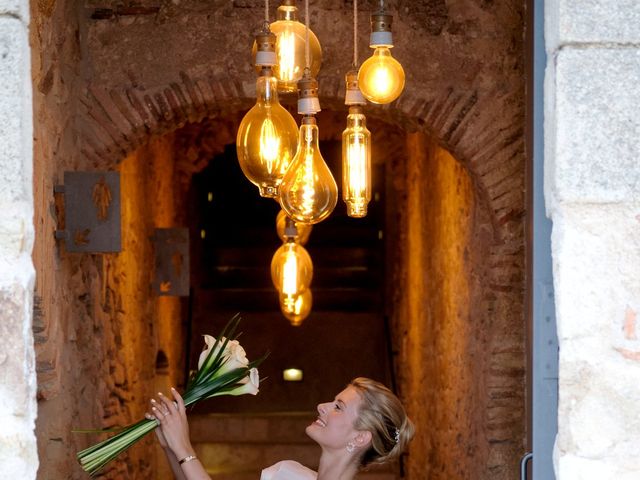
(296,308)
(291,269)
(381,77)
(308,192)
(303,229)
(288,71)
(290,49)
(267,138)
(269,145)
(356,164)
(290,284)
(292,375)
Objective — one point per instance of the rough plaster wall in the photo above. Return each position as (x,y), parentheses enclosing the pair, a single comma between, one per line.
(592,191)
(445,326)
(110,327)
(17,362)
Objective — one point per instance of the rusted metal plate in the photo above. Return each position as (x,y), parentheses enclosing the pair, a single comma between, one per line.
(92,212)
(171,262)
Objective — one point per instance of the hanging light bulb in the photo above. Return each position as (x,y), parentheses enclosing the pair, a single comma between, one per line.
(291,268)
(267,137)
(356,153)
(296,308)
(381,77)
(302,230)
(308,193)
(290,47)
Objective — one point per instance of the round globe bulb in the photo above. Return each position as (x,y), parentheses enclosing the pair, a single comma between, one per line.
(381,77)
(290,49)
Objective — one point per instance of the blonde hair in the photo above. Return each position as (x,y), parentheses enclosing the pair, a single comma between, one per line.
(382,414)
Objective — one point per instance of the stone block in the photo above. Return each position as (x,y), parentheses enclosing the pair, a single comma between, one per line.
(17,375)
(593,105)
(15,8)
(15,138)
(18,452)
(596,254)
(591,21)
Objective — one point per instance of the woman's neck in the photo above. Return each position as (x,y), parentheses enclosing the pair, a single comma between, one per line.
(337,466)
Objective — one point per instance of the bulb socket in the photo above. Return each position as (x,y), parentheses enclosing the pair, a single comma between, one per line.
(381,30)
(353,95)
(288,3)
(266,48)
(290,230)
(308,102)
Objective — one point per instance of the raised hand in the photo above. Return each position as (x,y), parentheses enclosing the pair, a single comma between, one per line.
(174,429)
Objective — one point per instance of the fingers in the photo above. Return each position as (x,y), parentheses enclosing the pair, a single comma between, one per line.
(168,405)
(179,401)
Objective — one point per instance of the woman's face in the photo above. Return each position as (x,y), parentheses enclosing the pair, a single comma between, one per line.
(333,428)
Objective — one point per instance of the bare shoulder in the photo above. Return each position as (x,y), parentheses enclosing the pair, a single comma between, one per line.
(288,470)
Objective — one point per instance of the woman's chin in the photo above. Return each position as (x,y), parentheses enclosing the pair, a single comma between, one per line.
(312,431)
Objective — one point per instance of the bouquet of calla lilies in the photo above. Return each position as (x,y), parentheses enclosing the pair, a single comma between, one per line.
(223,369)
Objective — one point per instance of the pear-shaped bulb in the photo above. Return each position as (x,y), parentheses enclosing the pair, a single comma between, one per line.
(308,193)
(356,164)
(303,230)
(290,48)
(291,268)
(267,138)
(381,77)
(296,307)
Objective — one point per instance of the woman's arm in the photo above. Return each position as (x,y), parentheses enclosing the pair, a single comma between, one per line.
(174,428)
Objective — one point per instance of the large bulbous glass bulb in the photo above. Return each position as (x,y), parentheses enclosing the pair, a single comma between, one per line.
(381,77)
(291,268)
(296,307)
(267,138)
(290,48)
(308,192)
(303,230)
(356,164)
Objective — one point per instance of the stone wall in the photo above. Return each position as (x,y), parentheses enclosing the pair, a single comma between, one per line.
(105,87)
(17,362)
(592,192)
(458,367)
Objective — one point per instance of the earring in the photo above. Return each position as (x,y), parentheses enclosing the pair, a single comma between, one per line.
(351,447)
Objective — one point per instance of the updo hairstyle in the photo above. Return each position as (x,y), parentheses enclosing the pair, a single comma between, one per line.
(382,414)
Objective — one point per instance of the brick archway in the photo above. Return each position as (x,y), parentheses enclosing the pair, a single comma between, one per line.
(118,121)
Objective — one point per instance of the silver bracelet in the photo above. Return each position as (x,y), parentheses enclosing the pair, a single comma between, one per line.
(186,459)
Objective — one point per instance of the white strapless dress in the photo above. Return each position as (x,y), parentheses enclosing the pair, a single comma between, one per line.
(288,470)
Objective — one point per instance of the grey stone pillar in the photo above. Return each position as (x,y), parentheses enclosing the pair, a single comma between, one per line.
(18,452)
(592,192)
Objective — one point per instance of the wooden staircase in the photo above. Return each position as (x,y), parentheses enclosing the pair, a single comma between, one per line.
(238,447)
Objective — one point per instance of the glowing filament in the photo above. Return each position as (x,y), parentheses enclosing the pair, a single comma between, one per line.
(290,275)
(269,145)
(286,51)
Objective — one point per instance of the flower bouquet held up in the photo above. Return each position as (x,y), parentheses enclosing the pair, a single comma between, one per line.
(223,369)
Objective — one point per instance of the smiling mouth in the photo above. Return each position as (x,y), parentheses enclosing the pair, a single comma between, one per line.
(320,422)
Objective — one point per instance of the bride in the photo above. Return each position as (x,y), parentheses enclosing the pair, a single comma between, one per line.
(365,424)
